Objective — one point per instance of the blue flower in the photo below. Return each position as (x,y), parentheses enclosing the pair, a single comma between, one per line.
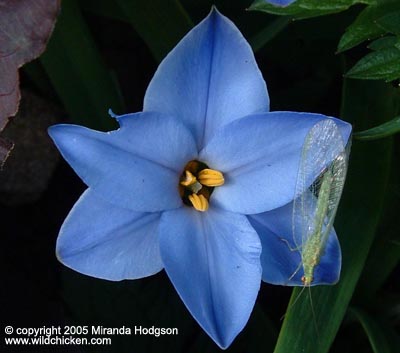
(280,2)
(200,183)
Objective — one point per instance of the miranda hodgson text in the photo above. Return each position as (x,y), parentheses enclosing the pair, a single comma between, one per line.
(137,330)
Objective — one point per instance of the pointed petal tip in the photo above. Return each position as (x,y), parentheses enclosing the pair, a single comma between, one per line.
(52,130)
(57,131)
(121,118)
(105,241)
(64,134)
(224,343)
(223,57)
(213,16)
(215,12)
(237,249)
(112,114)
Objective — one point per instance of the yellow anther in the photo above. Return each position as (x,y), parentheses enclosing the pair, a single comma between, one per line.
(210,177)
(189,179)
(199,202)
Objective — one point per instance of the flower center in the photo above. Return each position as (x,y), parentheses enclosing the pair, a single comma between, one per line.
(197,183)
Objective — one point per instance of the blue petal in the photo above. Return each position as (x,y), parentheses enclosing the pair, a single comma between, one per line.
(281,258)
(104,241)
(209,79)
(136,167)
(213,260)
(280,2)
(259,156)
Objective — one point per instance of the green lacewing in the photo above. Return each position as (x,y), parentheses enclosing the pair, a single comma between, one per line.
(320,181)
(319,186)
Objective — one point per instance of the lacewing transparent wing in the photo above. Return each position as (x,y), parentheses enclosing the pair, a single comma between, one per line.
(319,186)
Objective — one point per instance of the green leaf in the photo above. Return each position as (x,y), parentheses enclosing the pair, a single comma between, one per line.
(381,262)
(383,43)
(36,73)
(386,129)
(78,73)
(376,335)
(369,165)
(269,32)
(382,64)
(365,27)
(390,22)
(385,252)
(302,9)
(161,23)
(105,8)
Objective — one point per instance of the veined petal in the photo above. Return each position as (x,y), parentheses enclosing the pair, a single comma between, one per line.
(104,241)
(281,253)
(212,258)
(136,167)
(259,156)
(209,79)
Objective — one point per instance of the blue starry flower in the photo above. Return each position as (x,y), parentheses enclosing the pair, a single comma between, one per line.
(280,2)
(200,183)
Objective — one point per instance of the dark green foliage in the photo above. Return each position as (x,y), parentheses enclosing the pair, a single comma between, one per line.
(383,64)
(302,9)
(364,27)
(376,333)
(386,129)
(77,71)
(161,23)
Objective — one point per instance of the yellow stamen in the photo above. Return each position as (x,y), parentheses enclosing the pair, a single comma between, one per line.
(199,202)
(189,179)
(210,177)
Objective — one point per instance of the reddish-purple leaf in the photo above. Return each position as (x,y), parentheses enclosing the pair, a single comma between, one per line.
(26,26)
